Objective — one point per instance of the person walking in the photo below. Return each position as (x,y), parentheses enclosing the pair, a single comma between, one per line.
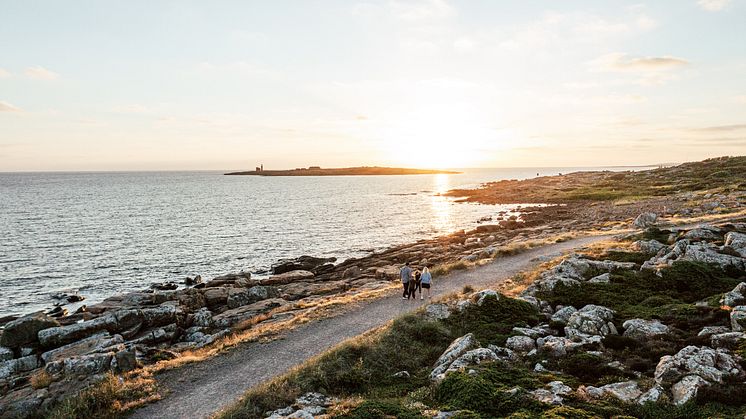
(414,284)
(425,280)
(405,273)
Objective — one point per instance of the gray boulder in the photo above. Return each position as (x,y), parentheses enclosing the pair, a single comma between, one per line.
(735,297)
(646,219)
(738,318)
(24,331)
(520,344)
(5,353)
(18,365)
(563,315)
(650,247)
(701,234)
(591,320)
(737,242)
(687,389)
(437,311)
(95,343)
(238,297)
(644,329)
(712,365)
(729,340)
(481,296)
(653,395)
(457,348)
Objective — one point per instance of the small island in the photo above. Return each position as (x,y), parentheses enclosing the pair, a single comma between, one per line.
(347,171)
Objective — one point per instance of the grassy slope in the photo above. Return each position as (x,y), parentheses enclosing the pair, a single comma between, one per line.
(363,369)
(728,173)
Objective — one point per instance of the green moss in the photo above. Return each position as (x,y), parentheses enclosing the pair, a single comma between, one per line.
(567,412)
(493,321)
(621,256)
(588,368)
(478,393)
(377,409)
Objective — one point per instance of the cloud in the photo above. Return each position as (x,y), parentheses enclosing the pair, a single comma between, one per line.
(7,107)
(420,9)
(722,128)
(622,62)
(739,99)
(4,74)
(713,5)
(40,73)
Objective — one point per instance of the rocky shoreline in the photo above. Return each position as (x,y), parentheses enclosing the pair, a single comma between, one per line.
(48,357)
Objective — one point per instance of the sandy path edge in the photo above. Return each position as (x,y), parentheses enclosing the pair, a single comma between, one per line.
(198,390)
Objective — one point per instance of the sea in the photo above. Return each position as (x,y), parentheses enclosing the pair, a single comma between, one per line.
(99,234)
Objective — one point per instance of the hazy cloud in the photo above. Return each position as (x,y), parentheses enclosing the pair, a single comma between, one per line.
(618,61)
(4,73)
(7,107)
(713,5)
(420,9)
(40,73)
(722,128)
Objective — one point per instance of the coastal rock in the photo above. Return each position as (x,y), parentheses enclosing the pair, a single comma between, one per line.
(5,353)
(521,344)
(563,315)
(591,320)
(216,296)
(653,395)
(687,389)
(58,336)
(735,297)
(481,296)
(437,311)
(713,330)
(191,299)
(646,220)
(701,234)
(95,343)
(470,358)
(710,364)
(352,272)
(298,290)
(738,318)
(533,332)
(644,329)
(650,247)
(238,297)
(18,365)
(389,272)
(737,242)
(84,365)
(158,316)
(202,318)
(710,255)
(287,277)
(25,330)
(626,391)
(556,346)
(457,348)
(604,278)
(553,394)
(244,313)
(730,340)
(303,263)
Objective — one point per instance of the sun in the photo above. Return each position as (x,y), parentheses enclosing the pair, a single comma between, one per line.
(439,136)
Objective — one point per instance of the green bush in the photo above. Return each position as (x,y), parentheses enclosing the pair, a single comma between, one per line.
(477,393)
(493,321)
(377,409)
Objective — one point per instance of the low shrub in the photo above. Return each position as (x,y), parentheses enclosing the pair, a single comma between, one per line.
(377,409)
(493,321)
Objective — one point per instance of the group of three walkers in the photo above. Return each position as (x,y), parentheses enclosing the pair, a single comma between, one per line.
(414,280)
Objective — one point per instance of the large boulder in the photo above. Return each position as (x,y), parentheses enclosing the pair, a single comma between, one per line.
(287,277)
(591,320)
(735,297)
(556,346)
(470,358)
(24,331)
(298,290)
(702,234)
(712,365)
(738,318)
(626,391)
(238,297)
(562,316)
(709,254)
(649,247)
(737,242)
(304,263)
(646,220)
(457,348)
(644,329)
(481,296)
(521,344)
(244,313)
(216,296)
(437,311)
(95,343)
(18,365)
(687,389)
(84,365)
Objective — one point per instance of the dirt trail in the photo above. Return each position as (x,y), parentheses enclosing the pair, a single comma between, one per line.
(198,390)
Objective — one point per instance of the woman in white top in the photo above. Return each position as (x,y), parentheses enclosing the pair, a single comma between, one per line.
(426,279)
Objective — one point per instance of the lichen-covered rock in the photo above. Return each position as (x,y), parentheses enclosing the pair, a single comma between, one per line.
(735,297)
(457,348)
(644,329)
(738,318)
(287,277)
(737,242)
(216,296)
(646,220)
(533,332)
(202,318)
(5,353)
(687,389)
(96,343)
(563,315)
(701,234)
(437,311)
(653,395)
(710,255)
(710,364)
(84,365)
(730,340)
(552,394)
(520,344)
(238,297)
(244,313)
(24,331)
(591,320)
(649,247)
(18,365)
(481,296)
(604,278)
(556,346)
(627,391)
(469,359)
(713,330)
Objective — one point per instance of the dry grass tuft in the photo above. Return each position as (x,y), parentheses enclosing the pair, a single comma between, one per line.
(41,379)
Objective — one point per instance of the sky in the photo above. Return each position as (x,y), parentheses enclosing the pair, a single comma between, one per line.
(196,85)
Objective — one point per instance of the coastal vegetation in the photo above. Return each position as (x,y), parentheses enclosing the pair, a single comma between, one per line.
(544,367)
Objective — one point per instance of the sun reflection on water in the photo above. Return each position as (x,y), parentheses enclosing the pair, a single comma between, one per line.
(441,208)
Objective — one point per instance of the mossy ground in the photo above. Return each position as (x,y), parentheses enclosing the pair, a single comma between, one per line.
(363,369)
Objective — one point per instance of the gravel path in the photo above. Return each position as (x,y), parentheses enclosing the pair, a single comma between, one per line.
(198,390)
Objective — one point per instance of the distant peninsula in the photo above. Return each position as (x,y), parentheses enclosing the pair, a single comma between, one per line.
(347,171)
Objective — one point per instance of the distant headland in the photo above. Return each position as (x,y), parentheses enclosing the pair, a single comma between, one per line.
(347,171)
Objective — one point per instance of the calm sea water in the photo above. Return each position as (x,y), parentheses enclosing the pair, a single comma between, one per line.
(99,234)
